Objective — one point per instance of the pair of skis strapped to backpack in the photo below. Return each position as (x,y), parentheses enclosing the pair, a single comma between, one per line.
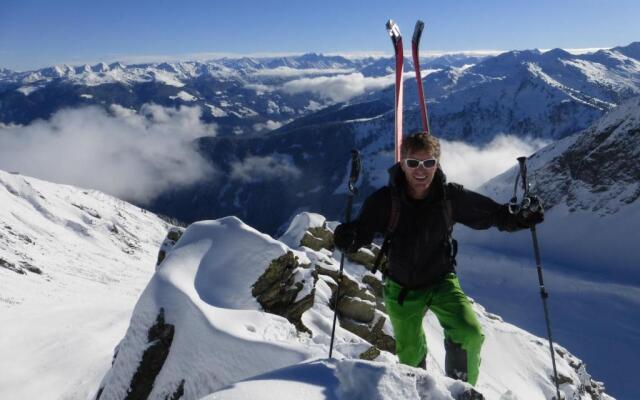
(396,39)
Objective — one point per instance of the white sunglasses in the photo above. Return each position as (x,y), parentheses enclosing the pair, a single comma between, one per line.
(413,163)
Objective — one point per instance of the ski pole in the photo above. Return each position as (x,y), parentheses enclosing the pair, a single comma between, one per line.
(526,205)
(355,172)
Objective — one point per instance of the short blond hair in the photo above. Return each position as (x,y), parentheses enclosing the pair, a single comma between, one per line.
(420,141)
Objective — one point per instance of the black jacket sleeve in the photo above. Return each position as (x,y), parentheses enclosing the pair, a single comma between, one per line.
(373,218)
(480,212)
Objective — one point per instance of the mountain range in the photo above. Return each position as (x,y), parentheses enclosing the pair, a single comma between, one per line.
(79,247)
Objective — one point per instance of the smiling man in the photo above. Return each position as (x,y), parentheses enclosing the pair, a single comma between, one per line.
(416,212)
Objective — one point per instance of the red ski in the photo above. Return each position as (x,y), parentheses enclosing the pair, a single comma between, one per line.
(415,48)
(396,39)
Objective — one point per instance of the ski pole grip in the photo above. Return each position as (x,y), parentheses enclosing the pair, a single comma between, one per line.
(523,173)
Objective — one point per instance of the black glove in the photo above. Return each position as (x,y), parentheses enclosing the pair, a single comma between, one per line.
(344,237)
(531,215)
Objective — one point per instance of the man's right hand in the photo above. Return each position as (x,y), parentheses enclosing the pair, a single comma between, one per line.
(344,237)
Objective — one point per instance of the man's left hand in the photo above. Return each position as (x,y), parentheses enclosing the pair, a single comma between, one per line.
(532,215)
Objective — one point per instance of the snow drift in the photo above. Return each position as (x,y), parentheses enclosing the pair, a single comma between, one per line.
(211,336)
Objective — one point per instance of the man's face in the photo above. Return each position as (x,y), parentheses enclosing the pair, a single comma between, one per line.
(420,178)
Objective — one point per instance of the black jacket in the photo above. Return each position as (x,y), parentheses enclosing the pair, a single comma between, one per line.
(420,250)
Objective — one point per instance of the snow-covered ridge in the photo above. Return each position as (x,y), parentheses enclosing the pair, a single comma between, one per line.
(72,264)
(200,317)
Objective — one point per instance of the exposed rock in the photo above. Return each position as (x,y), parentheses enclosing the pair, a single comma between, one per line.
(11,267)
(318,238)
(88,210)
(562,379)
(356,309)
(160,337)
(374,284)
(178,393)
(174,234)
(370,354)
(372,333)
(31,268)
(276,290)
(348,287)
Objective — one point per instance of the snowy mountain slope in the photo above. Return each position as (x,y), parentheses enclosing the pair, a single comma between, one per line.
(72,263)
(213,333)
(594,318)
(524,93)
(590,183)
(553,93)
(245,95)
(528,93)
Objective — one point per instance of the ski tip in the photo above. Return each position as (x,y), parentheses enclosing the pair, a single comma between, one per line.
(393,28)
(417,31)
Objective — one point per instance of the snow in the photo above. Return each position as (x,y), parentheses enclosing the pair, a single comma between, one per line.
(344,379)
(300,224)
(203,287)
(27,90)
(238,351)
(216,111)
(182,95)
(167,78)
(96,253)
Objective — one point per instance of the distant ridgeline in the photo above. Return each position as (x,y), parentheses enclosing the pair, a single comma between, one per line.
(286,125)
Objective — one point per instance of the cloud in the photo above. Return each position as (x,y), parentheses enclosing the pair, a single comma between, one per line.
(267,126)
(472,166)
(338,88)
(259,88)
(288,72)
(131,155)
(257,169)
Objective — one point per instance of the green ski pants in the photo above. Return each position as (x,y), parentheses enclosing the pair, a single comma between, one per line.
(454,312)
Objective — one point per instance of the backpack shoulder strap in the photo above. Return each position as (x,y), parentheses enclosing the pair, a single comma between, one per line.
(394,217)
(448,218)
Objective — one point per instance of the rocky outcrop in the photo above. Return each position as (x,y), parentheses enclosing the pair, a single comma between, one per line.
(278,287)
(160,337)
(318,238)
(172,238)
(584,382)
(360,307)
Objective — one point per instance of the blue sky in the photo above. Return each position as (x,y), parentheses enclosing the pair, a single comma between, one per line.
(36,33)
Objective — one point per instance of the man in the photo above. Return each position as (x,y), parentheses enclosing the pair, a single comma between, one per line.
(416,213)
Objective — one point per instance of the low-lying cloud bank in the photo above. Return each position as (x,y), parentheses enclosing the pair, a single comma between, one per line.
(288,72)
(259,169)
(472,166)
(340,87)
(132,155)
